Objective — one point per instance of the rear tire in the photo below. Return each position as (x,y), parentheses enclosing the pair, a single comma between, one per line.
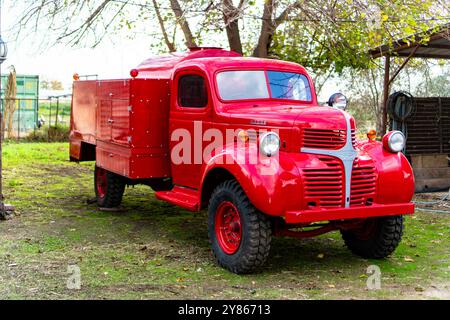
(240,235)
(109,188)
(377,239)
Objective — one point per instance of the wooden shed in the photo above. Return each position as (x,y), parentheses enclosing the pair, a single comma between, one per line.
(428,127)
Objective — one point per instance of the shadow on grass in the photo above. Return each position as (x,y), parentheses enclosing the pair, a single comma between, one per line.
(152,220)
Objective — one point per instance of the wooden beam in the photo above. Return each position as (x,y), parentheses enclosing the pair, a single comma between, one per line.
(426,56)
(437,46)
(411,55)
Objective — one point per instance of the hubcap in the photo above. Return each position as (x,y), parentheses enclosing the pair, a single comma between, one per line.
(101,182)
(228,227)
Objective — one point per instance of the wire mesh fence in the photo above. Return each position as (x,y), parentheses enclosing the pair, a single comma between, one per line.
(35,117)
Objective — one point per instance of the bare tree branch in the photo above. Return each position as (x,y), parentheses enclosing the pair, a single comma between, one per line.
(170,45)
(190,42)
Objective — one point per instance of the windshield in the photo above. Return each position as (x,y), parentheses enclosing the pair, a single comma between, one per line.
(245,85)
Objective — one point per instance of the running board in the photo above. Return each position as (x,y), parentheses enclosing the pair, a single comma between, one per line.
(184,197)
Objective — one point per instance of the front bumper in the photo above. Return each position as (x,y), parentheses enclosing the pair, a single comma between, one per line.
(375,210)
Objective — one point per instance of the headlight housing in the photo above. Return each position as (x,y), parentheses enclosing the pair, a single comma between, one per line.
(269,144)
(394,141)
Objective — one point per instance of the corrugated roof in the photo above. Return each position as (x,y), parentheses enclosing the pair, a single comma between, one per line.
(438,46)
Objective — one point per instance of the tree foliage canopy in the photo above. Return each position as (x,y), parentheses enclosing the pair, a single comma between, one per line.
(324,35)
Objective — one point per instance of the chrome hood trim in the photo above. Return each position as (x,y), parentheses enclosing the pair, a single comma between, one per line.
(347,154)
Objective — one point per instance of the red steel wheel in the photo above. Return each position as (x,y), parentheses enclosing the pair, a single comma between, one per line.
(101,182)
(239,234)
(228,227)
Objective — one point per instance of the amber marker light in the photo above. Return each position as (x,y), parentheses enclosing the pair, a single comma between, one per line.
(76,76)
(372,134)
(243,136)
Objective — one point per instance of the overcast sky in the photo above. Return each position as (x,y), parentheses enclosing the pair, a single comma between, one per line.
(60,62)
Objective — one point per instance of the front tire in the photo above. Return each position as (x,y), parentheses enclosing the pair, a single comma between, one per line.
(240,235)
(109,188)
(377,238)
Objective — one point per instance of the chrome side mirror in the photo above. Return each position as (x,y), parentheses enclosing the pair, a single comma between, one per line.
(339,101)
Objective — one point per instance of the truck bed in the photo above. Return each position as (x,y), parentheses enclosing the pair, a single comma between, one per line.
(126,121)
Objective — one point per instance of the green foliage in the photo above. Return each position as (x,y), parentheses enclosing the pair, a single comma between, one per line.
(335,35)
(57,133)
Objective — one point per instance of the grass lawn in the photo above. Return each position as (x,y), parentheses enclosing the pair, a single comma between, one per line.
(154,250)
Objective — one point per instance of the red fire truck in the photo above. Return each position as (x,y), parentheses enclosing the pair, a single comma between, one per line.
(246,139)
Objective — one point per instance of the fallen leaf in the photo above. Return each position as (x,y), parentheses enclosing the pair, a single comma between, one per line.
(408,259)
(320,255)
(331,286)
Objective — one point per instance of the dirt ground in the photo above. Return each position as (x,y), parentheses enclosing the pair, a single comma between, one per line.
(152,250)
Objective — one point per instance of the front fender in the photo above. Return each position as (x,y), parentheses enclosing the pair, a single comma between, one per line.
(273,185)
(395,175)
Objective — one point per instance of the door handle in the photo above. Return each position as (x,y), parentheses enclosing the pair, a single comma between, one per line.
(110,121)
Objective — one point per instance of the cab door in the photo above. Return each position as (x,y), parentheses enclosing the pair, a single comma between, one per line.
(190,117)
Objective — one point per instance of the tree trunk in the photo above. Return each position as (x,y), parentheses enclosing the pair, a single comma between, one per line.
(230,16)
(267,31)
(181,20)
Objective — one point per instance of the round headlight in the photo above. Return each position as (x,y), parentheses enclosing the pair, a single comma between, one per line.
(339,101)
(269,144)
(394,141)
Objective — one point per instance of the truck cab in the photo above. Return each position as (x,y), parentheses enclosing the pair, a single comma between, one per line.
(245,139)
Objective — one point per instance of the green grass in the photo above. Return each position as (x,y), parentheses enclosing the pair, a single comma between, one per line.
(154,250)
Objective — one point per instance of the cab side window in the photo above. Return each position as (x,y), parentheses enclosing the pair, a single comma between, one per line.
(192,92)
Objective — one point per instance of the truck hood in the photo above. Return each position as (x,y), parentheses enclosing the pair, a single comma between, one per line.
(289,116)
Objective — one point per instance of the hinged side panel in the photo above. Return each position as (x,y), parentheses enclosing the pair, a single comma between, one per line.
(132,128)
(104,120)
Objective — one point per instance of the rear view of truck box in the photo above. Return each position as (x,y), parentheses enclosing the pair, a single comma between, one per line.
(132,127)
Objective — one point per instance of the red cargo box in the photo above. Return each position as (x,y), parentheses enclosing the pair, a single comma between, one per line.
(131,125)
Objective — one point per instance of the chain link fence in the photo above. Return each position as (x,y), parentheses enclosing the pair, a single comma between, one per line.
(37,119)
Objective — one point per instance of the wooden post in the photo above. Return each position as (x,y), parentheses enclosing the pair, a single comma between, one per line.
(386,87)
